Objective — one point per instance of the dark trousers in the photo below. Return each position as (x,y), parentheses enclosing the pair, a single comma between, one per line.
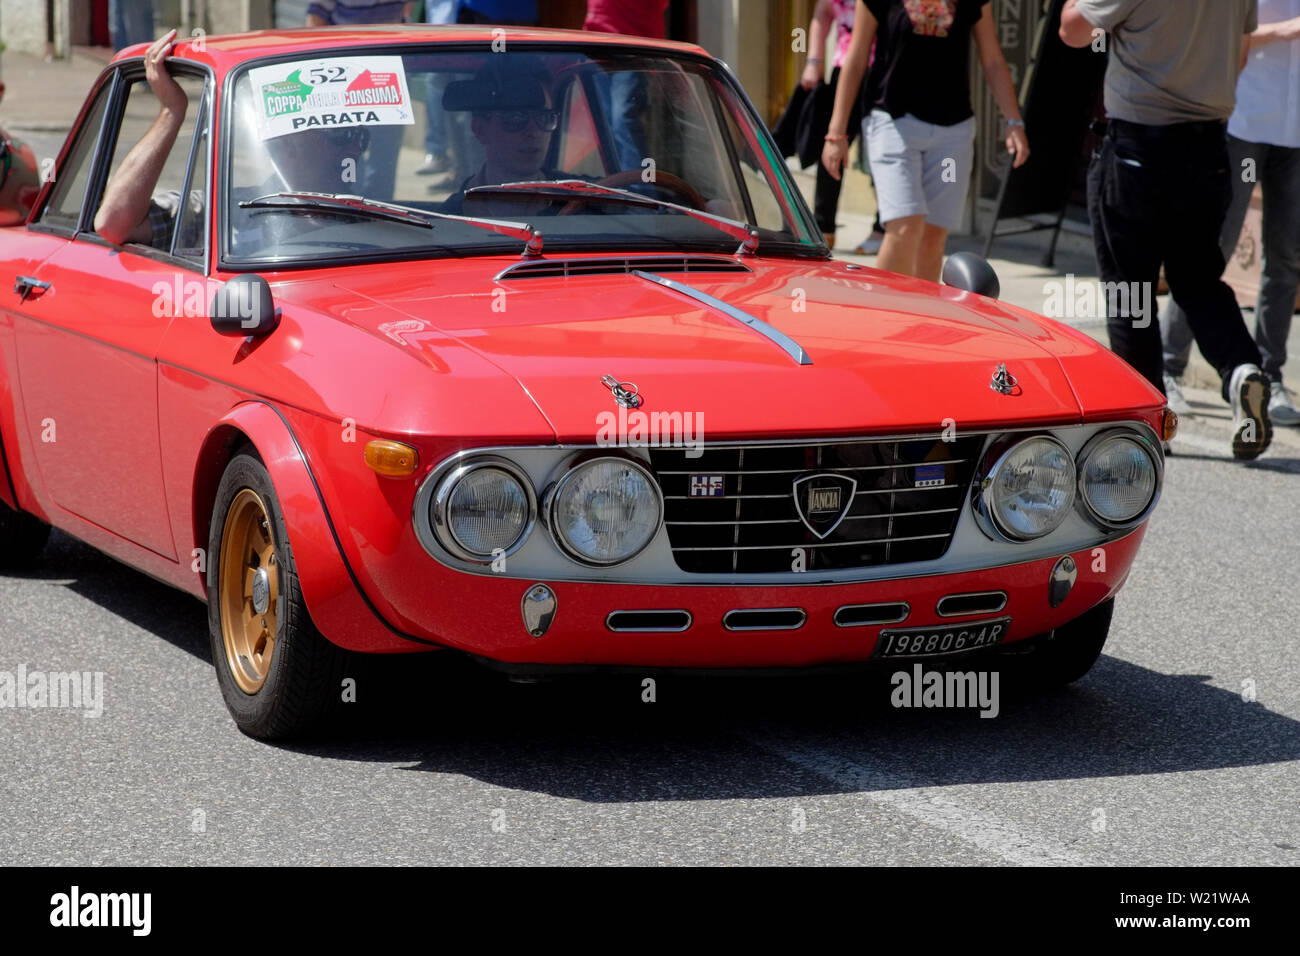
(1277,168)
(468,15)
(1157,195)
(826,198)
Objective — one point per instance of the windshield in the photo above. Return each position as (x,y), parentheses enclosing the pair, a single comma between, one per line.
(425,129)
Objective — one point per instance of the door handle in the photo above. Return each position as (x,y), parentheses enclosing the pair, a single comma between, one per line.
(25,287)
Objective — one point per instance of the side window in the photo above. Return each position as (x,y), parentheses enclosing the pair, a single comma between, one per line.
(767,214)
(141,110)
(191,238)
(63,209)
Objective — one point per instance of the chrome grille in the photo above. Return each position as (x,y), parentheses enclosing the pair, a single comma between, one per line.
(754,526)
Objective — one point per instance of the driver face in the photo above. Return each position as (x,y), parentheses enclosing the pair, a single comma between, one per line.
(316,160)
(515,142)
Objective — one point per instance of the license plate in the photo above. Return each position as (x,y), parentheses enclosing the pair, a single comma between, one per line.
(936,641)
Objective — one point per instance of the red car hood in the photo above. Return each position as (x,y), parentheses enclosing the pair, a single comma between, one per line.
(889,354)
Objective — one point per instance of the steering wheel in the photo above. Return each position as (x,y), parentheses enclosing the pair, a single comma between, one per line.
(629,177)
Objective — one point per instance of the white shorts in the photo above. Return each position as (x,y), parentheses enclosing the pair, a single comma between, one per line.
(920,169)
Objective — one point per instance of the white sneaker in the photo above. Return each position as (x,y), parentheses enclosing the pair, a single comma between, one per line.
(1174,396)
(1280,407)
(432,164)
(1252,429)
(870,246)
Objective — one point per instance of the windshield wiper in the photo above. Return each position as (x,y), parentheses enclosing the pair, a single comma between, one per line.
(393,212)
(578,189)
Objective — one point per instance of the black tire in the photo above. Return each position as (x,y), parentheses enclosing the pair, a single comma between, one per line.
(1070,651)
(22,539)
(303,681)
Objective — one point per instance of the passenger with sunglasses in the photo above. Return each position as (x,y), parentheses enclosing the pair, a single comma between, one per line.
(513,116)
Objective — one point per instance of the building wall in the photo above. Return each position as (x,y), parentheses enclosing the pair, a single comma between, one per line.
(23,25)
(737,33)
(290,13)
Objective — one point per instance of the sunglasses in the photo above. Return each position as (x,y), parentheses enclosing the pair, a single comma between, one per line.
(516,121)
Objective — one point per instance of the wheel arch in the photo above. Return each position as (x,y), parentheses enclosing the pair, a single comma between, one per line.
(339,610)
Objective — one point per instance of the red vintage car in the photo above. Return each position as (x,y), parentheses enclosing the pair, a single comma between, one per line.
(596,397)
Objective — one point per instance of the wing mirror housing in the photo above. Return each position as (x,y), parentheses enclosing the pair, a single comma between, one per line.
(965,270)
(244,307)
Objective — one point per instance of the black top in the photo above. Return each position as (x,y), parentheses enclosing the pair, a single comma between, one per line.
(922,61)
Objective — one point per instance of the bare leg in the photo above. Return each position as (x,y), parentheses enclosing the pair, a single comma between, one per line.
(902,245)
(929,260)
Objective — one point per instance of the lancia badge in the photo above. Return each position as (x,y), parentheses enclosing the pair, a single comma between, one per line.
(823,500)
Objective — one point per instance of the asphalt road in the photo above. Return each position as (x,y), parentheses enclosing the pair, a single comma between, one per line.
(1154,758)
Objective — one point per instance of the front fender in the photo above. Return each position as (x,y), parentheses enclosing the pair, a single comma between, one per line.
(337,605)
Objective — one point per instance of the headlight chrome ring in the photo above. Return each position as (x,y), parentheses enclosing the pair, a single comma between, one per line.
(1085,501)
(555,494)
(983,490)
(441,520)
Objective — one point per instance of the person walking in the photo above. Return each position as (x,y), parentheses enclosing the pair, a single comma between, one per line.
(920,128)
(622,93)
(1263,147)
(130,22)
(436,141)
(643,18)
(326,13)
(1159,183)
(840,13)
(518,13)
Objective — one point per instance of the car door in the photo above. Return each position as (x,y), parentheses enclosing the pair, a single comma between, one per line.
(89,329)
(23,250)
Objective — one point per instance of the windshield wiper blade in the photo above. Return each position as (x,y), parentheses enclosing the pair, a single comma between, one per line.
(394,212)
(579,189)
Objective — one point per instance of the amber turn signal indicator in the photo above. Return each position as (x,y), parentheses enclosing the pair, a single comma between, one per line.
(1170,428)
(392,459)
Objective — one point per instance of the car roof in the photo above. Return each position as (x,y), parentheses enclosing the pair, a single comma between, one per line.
(227,51)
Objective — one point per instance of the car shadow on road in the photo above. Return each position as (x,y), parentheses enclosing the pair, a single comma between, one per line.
(158,608)
(603,739)
(599,739)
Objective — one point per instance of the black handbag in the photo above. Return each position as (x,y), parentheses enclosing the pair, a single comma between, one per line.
(801,130)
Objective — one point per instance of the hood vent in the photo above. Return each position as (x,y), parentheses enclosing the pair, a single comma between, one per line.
(563,268)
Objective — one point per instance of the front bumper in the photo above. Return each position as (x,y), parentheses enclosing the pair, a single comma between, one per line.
(482,616)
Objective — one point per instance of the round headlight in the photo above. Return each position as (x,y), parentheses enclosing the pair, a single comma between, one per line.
(1029,490)
(482,510)
(1118,479)
(605,510)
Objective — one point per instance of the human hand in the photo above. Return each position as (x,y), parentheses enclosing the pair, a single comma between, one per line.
(812,73)
(835,155)
(164,86)
(1017,146)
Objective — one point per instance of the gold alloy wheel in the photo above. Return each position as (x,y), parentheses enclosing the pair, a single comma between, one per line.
(248,589)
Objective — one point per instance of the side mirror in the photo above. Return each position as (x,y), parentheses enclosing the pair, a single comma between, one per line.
(965,270)
(244,307)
